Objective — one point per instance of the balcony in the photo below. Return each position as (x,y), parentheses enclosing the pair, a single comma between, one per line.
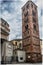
(4,32)
(3,37)
(5,27)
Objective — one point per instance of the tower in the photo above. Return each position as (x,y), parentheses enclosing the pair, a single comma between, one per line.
(30,32)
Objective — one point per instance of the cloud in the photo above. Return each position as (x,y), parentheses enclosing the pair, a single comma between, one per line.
(12,13)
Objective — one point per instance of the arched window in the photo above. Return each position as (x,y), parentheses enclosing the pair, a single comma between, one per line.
(15,43)
(26,27)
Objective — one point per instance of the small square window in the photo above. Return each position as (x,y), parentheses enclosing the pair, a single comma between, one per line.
(21,58)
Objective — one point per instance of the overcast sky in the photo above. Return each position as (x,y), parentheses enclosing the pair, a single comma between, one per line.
(11,11)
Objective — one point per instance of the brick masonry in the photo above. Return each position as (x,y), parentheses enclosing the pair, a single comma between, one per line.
(30,32)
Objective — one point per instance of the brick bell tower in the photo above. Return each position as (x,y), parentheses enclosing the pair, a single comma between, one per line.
(30,32)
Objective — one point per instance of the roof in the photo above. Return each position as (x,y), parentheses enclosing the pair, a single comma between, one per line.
(29,1)
(16,39)
(2,20)
(20,39)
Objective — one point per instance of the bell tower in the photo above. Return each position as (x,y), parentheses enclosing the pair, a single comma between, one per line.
(30,32)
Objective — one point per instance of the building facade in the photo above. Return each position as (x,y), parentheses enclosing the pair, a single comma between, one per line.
(7,53)
(4,30)
(4,33)
(30,32)
(41,44)
(19,55)
(17,43)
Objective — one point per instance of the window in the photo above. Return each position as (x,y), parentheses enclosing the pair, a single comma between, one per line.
(34,27)
(21,58)
(26,27)
(27,6)
(15,43)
